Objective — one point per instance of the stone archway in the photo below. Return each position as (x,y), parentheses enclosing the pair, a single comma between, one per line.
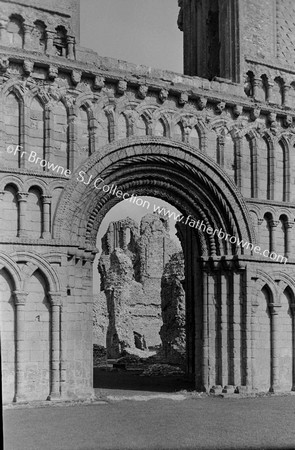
(177,173)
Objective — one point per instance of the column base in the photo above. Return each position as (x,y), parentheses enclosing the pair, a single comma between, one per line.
(54,396)
(46,235)
(20,399)
(275,388)
(230,389)
(216,390)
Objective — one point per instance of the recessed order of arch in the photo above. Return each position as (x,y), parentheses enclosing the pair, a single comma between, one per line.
(173,168)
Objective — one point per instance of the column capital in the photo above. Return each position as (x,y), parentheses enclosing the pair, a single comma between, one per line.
(55,298)
(20,297)
(46,199)
(273,223)
(288,224)
(22,196)
(71,39)
(50,34)
(274,309)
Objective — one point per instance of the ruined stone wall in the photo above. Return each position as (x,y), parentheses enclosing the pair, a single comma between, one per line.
(173,330)
(131,267)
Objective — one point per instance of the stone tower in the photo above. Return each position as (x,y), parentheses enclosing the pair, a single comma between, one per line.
(224,39)
(80,132)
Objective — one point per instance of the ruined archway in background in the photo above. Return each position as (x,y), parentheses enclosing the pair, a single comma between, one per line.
(196,186)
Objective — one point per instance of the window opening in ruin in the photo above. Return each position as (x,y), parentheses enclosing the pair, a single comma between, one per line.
(139,321)
(60,41)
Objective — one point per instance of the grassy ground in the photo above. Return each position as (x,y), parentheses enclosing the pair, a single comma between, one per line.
(190,423)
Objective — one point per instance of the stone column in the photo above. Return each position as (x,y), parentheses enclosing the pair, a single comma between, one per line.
(72,142)
(224,328)
(22,203)
(50,35)
(71,47)
(220,151)
(293,344)
(270,87)
(238,143)
(27,36)
(46,232)
(63,350)
(49,132)
(258,92)
(236,280)
(288,238)
(286,95)
(92,132)
(205,364)
(20,301)
(273,309)
(272,225)
(55,299)
(254,332)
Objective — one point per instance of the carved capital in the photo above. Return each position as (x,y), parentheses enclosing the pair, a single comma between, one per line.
(121,87)
(71,40)
(273,223)
(274,309)
(20,297)
(55,298)
(22,196)
(46,199)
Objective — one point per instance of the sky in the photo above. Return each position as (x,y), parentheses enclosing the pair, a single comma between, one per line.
(139,31)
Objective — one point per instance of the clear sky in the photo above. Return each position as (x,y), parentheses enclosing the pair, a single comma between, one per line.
(138,31)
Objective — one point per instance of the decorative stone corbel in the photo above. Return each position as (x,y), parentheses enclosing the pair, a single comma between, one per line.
(220,107)
(202,103)
(4,64)
(183,99)
(121,87)
(99,82)
(272,118)
(255,113)
(142,91)
(238,110)
(76,76)
(28,67)
(52,72)
(163,95)
(288,120)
